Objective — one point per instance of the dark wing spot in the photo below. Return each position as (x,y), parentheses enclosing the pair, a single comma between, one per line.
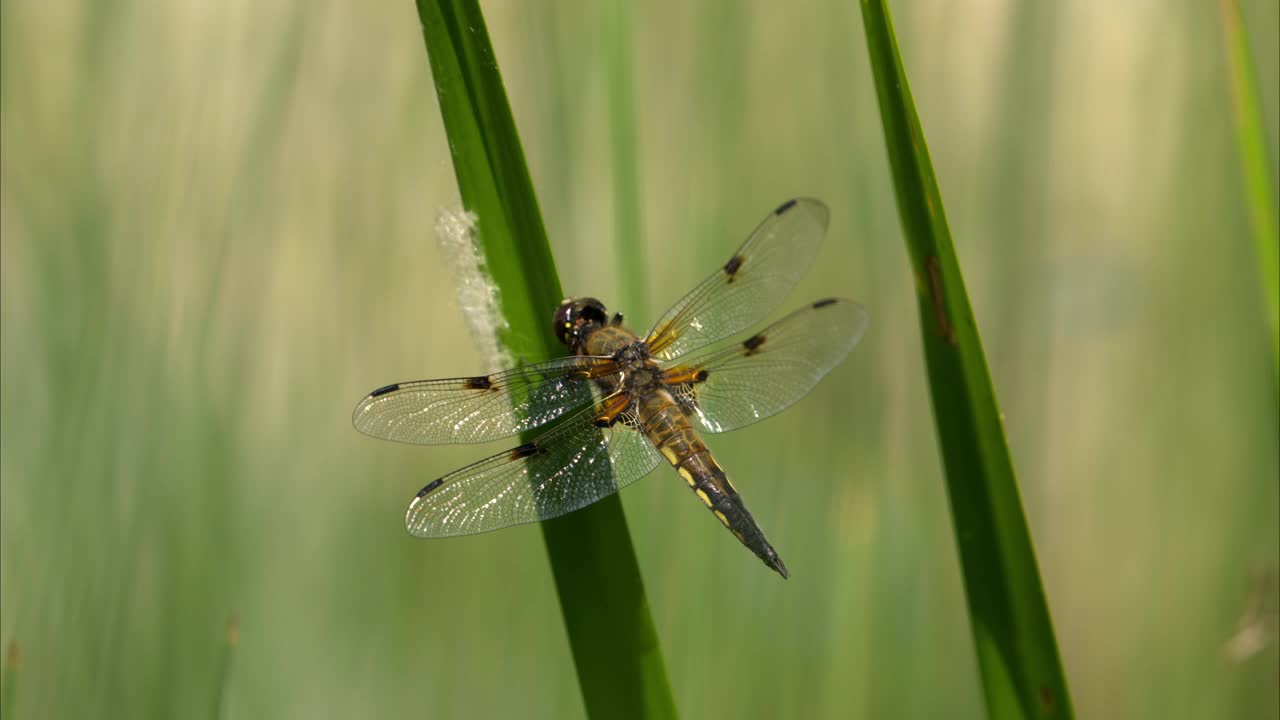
(731,267)
(823,303)
(702,375)
(430,486)
(384,390)
(785,207)
(479,383)
(525,451)
(753,343)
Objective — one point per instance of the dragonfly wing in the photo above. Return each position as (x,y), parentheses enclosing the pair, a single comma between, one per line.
(566,468)
(732,387)
(749,286)
(482,408)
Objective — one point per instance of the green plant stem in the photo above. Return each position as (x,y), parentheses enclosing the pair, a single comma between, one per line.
(615,647)
(1260,192)
(1013,635)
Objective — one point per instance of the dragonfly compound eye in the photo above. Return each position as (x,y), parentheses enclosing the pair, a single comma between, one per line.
(577,316)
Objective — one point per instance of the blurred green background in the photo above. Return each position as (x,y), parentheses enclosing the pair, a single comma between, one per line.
(217,235)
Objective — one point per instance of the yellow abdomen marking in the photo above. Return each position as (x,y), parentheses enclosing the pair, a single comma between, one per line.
(669,453)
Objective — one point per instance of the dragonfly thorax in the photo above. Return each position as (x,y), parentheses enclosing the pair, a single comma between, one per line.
(634,356)
(641,375)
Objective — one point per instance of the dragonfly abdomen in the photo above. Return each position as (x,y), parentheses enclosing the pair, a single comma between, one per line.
(712,486)
(669,429)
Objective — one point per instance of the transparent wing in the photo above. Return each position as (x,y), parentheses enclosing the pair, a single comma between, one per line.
(732,387)
(754,281)
(482,408)
(566,468)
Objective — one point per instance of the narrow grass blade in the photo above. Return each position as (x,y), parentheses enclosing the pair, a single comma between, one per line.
(1260,194)
(1013,635)
(615,647)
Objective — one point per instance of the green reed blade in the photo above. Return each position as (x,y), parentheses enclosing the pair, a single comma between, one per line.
(620,667)
(1013,634)
(1260,194)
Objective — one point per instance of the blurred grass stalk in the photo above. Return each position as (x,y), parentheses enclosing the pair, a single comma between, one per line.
(615,647)
(231,641)
(9,683)
(1013,634)
(1254,163)
(630,250)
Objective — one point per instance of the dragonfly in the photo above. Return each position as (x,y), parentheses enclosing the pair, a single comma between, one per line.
(610,412)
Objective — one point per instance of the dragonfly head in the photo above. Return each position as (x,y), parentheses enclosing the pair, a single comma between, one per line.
(576,318)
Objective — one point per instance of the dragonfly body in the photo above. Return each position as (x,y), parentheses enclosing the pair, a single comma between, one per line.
(621,403)
(666,423)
